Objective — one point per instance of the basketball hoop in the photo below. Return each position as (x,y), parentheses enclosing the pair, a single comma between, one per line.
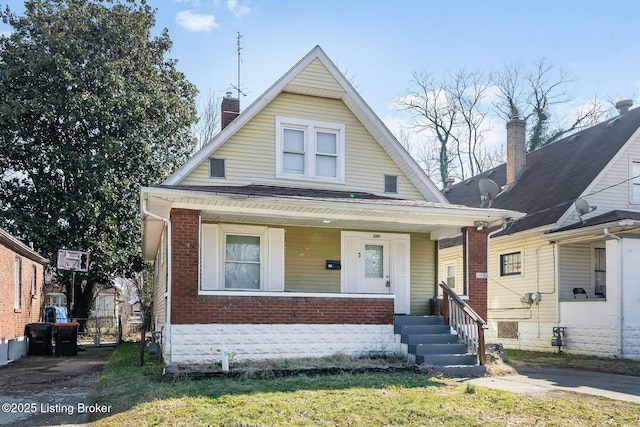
(73,260)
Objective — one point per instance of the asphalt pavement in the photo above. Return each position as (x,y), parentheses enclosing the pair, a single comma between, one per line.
(52,391)
(546,379)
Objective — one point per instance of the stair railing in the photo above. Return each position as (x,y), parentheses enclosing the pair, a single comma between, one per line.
(466,322)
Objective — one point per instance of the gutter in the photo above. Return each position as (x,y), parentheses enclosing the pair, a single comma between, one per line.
(146,212)
(621,310)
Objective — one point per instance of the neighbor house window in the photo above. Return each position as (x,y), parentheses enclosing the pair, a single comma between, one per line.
(312,150)
(34,279)
(450,271)
(510,264)
(17,281)
(242,262)
(600,272)
(635,181)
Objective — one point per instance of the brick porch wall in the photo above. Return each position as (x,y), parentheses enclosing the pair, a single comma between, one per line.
(475,248)
(187,307)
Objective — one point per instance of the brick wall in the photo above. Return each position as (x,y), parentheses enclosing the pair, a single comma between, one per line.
(13,320)
(187,307)
(474,246)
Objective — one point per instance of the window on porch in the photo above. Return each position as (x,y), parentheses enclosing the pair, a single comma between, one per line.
(582,272)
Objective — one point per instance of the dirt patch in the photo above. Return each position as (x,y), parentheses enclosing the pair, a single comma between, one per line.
(42,390)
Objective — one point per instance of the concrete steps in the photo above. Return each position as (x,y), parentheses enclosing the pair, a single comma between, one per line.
(431,342)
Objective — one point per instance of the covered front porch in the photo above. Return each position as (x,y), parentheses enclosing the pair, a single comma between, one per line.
(598,288)
(274,270)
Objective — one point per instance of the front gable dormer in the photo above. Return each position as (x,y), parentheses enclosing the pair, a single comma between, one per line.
(310,129)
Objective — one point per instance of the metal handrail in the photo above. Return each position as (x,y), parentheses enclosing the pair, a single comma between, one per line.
(466,322)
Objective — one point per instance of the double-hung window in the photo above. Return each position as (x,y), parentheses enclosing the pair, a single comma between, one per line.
(310,150)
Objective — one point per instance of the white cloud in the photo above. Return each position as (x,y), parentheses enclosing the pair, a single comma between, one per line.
(238,9)
(196,22)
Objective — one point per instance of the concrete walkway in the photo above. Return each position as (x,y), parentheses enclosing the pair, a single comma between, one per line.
(545,379)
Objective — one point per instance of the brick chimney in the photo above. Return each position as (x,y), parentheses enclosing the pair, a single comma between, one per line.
(450,181)
(623,106)
(516,151)
(230,110)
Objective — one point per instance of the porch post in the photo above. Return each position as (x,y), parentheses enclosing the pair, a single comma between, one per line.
(474,249)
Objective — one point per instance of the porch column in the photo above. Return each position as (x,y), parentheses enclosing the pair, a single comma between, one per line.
(185,247)
(474,250)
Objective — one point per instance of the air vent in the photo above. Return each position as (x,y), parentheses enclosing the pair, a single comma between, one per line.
(390,183)
(217,168)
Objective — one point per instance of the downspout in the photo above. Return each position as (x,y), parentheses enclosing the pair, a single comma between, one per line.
(168,243)
(489,235)
(621,311)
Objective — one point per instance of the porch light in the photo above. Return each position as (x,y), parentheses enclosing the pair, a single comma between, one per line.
(326,221)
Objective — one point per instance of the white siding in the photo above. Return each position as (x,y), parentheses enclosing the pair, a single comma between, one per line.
(575,269)
(612,190)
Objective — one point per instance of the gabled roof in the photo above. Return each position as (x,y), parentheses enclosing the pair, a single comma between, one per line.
(352,100)
(555,175)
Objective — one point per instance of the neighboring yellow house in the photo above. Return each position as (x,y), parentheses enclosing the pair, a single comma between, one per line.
(299,230)
(568,271)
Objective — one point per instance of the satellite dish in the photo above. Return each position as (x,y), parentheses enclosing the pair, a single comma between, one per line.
(583,208)
(488,190)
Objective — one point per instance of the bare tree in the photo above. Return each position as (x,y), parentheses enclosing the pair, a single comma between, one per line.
(534,95)
(449,114)
(208,124)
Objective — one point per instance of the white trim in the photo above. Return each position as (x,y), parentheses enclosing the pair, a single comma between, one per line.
(632,182)
(285,294)
(244,230)
(17,282)
(310,129)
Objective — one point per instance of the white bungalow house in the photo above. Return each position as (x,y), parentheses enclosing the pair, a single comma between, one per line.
(298,231)
(572,265)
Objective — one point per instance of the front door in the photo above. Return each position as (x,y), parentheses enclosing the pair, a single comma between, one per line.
(374,260)
(377,263)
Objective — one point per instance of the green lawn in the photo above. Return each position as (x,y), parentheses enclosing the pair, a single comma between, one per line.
(518,359)
(140,396)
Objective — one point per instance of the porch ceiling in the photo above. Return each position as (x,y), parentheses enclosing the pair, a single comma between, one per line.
(439,220)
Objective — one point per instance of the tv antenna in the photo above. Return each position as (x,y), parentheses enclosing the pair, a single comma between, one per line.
(488,191)
(583,208)
(237,87)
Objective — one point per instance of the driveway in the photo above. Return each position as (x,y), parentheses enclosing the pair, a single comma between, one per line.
(46,391)
(545,379)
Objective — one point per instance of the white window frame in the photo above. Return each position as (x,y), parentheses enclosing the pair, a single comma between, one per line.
(17,282)
(633,182)
(310,129)
(453,265)
(212,258)
(248,231)
(34,278)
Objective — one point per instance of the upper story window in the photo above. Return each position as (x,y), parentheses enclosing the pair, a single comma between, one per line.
(310,150)
(510,264)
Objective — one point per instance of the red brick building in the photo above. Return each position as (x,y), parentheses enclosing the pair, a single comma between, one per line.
(21,294)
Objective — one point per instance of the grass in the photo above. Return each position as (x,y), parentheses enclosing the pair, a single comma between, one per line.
(140,396)
(524,359)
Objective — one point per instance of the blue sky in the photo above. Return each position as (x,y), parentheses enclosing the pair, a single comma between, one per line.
(379,44)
